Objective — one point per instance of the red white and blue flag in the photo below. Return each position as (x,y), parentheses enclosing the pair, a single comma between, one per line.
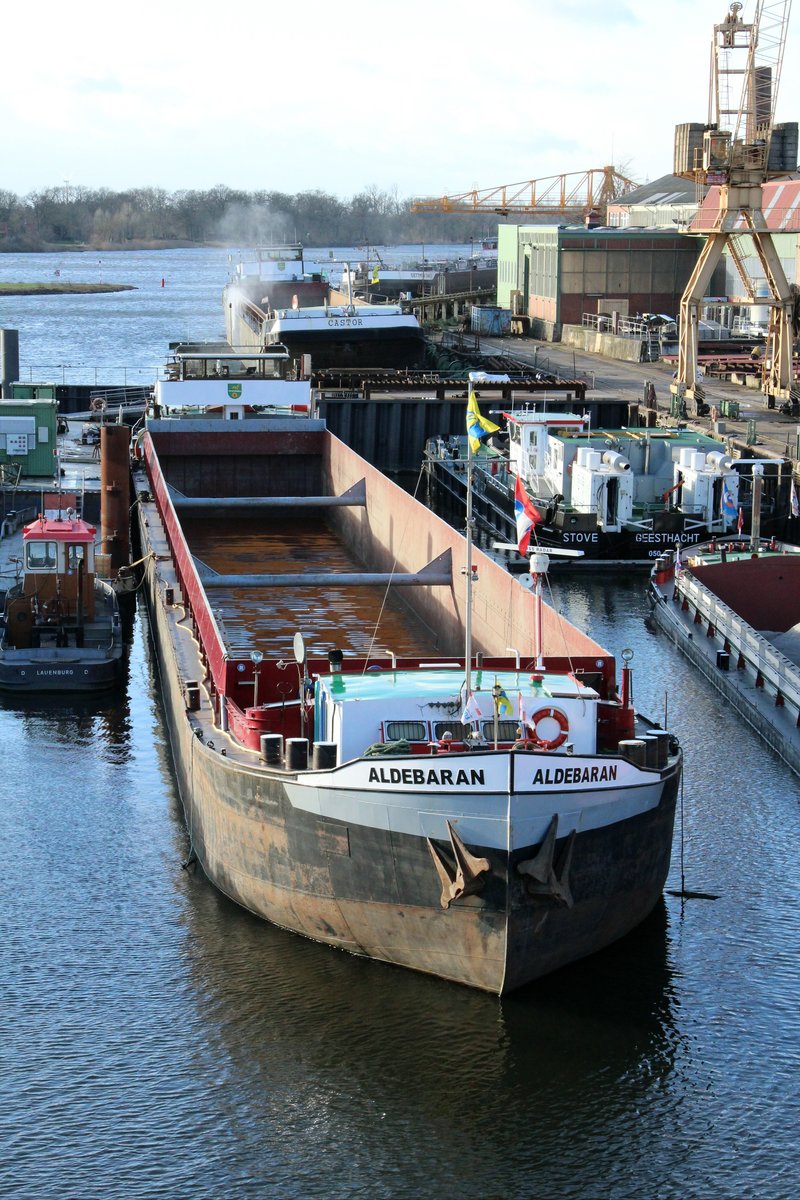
(527,516)
(472,710)
(727,506)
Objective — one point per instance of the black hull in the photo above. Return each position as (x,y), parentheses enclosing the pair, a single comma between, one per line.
(404,350)
(58,676)
(493,510)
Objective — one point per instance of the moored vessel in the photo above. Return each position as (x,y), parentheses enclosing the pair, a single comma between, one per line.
(619,495)
(374,336)
(732,606)
(383,740)
(278,299)
(61,627)
(398,281)
(273,277)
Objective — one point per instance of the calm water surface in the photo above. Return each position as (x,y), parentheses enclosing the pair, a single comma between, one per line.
(157,1041)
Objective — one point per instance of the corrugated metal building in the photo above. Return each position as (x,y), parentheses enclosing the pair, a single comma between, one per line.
(667,202)
(554,274)
(780,204)
(28,435)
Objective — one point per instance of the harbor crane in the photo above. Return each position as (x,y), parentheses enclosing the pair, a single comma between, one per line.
(739,150)
(572,195)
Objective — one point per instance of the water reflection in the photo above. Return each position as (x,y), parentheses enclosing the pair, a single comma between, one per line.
(161,1042)
(93,720)
(358,1061)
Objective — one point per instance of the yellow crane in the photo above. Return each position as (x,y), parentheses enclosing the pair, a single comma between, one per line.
(570,195)
(733,151)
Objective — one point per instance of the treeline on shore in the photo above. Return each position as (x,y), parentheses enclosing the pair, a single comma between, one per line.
(71,216)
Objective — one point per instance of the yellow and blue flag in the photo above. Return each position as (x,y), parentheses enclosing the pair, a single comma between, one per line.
(477,426)
(503,703)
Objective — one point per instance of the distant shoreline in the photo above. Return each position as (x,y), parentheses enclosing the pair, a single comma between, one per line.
(77,248)
(61,289)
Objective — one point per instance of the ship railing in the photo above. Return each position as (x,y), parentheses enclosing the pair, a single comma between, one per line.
(253,312)
(779,673)
(206,627)
(102,400)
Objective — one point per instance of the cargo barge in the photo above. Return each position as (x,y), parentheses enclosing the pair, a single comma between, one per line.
(382,740)
(732,606)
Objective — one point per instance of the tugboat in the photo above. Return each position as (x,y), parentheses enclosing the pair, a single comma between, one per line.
(61,628)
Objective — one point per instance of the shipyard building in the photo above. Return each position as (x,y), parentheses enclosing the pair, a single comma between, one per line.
(551,276)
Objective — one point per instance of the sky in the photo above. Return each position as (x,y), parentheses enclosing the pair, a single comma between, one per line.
(412,98)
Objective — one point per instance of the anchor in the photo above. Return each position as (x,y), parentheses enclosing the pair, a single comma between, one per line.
(465,876)
(542,879)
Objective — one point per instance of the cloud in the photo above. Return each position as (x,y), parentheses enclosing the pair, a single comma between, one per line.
(428,98)
(581,12)
(106,86)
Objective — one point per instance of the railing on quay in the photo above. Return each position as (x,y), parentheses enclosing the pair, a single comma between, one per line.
(86,375)
(778,671)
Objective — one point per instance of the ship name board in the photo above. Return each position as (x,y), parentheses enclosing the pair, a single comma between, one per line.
(605,774)
(422,776)
(475,777)
(669,538)
(343,322)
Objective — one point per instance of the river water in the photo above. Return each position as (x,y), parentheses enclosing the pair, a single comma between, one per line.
(157,1041)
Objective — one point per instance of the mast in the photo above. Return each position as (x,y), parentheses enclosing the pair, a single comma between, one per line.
(755,520)
(468,574)
(539,565)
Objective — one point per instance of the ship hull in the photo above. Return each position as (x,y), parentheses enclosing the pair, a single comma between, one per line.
(19,673)
(375,892)
(639,543)
(648,530)
(717,611)
(488,868)
(402,349)
(61,658)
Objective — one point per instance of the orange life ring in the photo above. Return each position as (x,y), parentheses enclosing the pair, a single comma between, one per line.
(556,715)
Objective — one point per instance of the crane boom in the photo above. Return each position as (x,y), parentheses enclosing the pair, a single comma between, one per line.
(572,194)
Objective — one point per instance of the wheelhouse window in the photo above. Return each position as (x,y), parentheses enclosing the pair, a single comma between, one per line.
(409,731)
(76,557)
(458,731)
(506,730)
(40,556)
